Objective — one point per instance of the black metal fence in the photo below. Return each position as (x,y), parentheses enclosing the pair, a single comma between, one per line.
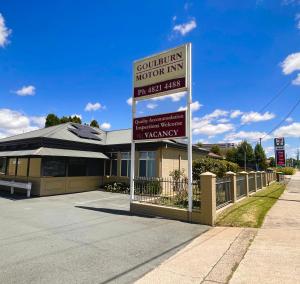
(258,180)
(251,182)
(241,186)
(223,192)
(166,192)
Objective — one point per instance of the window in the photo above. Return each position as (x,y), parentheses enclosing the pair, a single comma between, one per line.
(54,167)
(111,166)
(147,164)
(22,167)
(77,167)
(125,164)
(3,166)
(12,165)
(95,167)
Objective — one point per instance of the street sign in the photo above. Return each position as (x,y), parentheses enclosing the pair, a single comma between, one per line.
(160,127)
(280,158)
(161,74)
(279,145)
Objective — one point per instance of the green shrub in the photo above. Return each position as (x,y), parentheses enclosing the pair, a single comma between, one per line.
(151,187)
(286,170)
(218,167)
(120,187)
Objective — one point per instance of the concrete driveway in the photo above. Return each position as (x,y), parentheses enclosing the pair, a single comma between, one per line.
(86,237)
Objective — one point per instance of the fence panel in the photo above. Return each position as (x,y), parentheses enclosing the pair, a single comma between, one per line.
(258,181)
(223,192)
(251,180)
(240,186)
(166,192)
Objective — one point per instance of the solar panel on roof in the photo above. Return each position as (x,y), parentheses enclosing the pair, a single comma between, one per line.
(85,132)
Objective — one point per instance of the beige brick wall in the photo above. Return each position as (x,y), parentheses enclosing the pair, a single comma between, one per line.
(173,159)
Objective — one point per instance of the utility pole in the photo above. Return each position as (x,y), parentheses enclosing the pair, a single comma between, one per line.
(260,141)
(245,157)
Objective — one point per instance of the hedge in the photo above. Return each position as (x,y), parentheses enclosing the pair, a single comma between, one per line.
(218,167)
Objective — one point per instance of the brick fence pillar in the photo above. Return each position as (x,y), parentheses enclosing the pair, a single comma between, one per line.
(208,198)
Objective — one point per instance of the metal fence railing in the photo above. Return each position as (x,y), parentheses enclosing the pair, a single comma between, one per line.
(223,192)
(241,186)
(251,182)
(258,181)
(166,192)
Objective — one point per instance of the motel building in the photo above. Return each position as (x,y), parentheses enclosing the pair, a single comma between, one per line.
(70,158)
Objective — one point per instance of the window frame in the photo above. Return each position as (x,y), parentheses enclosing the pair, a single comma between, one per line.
(128,164)
(110,155)
(147,159)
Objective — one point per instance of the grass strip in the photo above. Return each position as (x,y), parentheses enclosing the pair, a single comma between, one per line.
(251,211)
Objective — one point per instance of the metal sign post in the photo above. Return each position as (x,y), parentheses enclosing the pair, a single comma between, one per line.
(189,131)
(163,74)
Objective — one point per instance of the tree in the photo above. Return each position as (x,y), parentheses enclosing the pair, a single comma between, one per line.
(260,157)
(199,144)
(245,150)
(272,162)
(94,123)
(76,119)
(52,120)
(237,154)
(216,150)
(231,155)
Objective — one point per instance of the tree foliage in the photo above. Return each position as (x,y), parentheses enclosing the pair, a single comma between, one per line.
(237,154)
(218,167)
(52,119)
(272,162)
(216,150)
(94,123)
(260,157)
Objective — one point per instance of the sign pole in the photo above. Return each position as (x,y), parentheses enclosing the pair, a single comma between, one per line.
(132,165)
(189,132)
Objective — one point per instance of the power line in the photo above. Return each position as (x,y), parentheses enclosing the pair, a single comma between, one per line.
(277,95)
(283,120)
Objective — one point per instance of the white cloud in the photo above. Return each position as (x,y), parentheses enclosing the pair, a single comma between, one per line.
(212,129)
(223,120)
(151,106)
(26,91)
(289,119)
(194,106)
(296,81)
(256,117)
(292,130)
(297,19)
(291,63)
(78,115)
(93,107)
(245,135)
(129,101)
(14,122)
(174,97)
(185,28)
(38,121)
(105,125)
(174,18)
(236,113)
(4,32)
(215,114)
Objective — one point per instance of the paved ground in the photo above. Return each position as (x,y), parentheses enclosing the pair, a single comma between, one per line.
(83,238)
(274,256)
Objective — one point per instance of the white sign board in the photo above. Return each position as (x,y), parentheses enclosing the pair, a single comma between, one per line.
(161,74)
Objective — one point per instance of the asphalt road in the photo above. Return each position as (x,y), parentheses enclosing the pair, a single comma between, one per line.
(83,238)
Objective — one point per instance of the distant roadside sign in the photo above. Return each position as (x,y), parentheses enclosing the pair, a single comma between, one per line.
(160,127)
(279,145)
(161,74)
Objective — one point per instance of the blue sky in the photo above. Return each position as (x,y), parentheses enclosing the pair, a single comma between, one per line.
(75,57)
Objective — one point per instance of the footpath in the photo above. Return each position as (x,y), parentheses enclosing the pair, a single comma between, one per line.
(274,256)
(242,255)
